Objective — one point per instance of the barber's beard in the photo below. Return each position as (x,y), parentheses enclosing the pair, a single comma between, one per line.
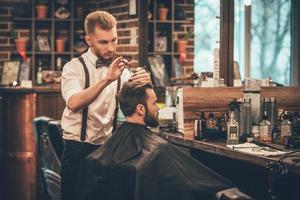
(104,61)
(150,120)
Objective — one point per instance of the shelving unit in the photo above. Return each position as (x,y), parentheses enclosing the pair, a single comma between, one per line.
(53,28)
(165,30)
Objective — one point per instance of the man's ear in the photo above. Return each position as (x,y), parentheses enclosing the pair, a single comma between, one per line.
(88,40)
(140,109)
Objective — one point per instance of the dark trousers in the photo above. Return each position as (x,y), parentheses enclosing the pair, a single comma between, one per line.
(73,154)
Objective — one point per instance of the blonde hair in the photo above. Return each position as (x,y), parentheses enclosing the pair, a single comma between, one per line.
(99,18)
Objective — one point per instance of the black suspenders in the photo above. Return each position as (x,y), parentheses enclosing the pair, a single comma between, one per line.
(85,109)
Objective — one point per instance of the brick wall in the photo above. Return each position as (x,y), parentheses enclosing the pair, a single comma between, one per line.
(6,41)
(180,31)
(127,27)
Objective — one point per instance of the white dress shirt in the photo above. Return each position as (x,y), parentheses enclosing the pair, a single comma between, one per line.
(100,111)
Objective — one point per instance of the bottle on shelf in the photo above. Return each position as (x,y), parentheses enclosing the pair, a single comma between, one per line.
(39,74)
(59,63)
(265,129)
(232,126)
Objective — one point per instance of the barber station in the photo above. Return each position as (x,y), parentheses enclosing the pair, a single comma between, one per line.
(149,100)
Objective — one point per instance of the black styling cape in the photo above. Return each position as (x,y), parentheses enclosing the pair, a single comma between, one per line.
(137,164)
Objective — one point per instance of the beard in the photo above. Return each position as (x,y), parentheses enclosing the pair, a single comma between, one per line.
(104,60)
(150,120)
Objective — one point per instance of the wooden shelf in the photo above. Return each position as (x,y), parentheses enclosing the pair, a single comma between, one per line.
(171,21)
(160,53)
(29,19)
(53,26)
(43,20)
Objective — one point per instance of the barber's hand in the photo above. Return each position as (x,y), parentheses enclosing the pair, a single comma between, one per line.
(140,76)
(115,69)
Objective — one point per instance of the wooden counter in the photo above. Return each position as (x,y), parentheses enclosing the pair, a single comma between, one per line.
(18,108)
(245,171)
(219,148)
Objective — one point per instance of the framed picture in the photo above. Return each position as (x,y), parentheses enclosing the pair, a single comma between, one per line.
(161,44)
(10,72)
(43,43)
(158,71)
(24,70)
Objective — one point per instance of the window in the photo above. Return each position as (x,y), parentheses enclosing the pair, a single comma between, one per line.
(270,46)
(207,34)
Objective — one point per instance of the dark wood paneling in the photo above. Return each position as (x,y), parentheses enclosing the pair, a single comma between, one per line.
(18,108)
(287,97)
(50,105)
(18,151)
(196,100)
(226,41)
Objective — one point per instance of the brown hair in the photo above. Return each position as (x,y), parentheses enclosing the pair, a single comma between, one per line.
(99,18)
(131,95)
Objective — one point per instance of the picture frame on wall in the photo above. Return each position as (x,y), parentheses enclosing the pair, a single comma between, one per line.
(158,71)
(43,43)
(161,44)
(24,73)
(10,73)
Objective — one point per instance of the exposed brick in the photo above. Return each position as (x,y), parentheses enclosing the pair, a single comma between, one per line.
(190,56)
(188,70)
(123,33)
(4,55)
(4,26)
(5,34)
(4,41)
(188,63)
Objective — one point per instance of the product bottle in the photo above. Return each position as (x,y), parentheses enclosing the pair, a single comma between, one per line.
(211,122)
(265,129)
(59,63)
(39,74)
(285,126)
(201,126)
(296,124)
(232,127)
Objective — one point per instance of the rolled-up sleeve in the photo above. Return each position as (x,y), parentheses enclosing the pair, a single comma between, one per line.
(72,80)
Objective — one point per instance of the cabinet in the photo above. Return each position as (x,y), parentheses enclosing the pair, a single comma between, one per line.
(163,34)
(18,108)
(61,24)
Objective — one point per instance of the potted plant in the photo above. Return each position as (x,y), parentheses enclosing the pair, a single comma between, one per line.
(163,12)
(41,10)
(21,42)
(60,44)
(181,43)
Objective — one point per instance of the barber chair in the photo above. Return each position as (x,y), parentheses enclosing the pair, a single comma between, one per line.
(48,160)
(55,135)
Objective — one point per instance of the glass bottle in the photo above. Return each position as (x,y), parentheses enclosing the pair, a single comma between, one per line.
(285,126)
(211,122)
(296,124)
(265,129)
(275,134)
(232,128)
(201,126)
(39,74)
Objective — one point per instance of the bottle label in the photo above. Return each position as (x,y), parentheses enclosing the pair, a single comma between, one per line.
(264,130)
(232,132)
(285,130)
